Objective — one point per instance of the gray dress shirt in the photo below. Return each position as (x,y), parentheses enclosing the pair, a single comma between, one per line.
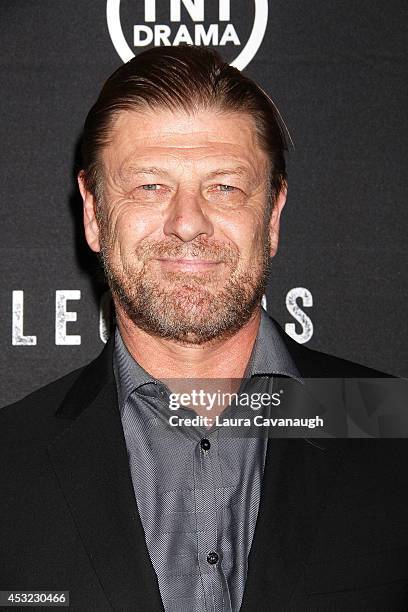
(197,489)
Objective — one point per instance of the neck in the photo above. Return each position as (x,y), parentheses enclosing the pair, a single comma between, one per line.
(163,358)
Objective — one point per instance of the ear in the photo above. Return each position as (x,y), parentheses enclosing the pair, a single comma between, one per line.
(275,219)
(90,223)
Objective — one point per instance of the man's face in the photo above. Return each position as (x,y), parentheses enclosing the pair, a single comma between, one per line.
(183,228)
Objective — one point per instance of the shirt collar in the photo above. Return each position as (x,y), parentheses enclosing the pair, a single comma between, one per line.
(129,374)
(269,356)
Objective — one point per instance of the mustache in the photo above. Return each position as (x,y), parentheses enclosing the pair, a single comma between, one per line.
(210,251)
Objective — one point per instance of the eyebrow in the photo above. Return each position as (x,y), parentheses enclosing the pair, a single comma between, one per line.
(130,171)
(237,171)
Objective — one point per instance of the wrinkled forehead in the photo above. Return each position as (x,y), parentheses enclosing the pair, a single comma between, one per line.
(193,141)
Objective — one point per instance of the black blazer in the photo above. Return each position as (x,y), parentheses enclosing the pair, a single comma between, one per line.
(332,530)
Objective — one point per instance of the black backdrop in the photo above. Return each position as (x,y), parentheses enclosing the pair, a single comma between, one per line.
(336,71)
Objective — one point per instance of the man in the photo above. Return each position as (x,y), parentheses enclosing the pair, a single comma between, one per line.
(183,185)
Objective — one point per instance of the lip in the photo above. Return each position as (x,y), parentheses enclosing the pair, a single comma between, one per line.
(188,265)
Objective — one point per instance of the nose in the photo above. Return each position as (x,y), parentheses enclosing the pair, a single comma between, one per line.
(186,218)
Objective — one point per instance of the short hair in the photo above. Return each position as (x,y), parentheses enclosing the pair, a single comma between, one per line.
(188,78)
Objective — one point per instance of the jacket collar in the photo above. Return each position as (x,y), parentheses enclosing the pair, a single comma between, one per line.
(92,379)
(91,464)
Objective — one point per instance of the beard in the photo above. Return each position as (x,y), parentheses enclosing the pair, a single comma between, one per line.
(186,307)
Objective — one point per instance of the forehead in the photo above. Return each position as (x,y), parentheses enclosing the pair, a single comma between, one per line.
(183,140)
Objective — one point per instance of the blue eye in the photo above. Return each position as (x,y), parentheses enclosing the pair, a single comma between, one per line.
(150,187)
(226,187)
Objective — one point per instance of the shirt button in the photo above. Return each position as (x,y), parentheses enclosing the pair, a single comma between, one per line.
(205,445)
(212,558)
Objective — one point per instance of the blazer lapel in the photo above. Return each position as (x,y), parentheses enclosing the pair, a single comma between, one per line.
(90,461)
(298,475)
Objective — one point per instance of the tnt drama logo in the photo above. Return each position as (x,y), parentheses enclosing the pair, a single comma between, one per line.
(195,22)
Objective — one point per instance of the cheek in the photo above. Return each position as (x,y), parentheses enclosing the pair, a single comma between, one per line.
(245,231)
(259,233)
(127,228)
